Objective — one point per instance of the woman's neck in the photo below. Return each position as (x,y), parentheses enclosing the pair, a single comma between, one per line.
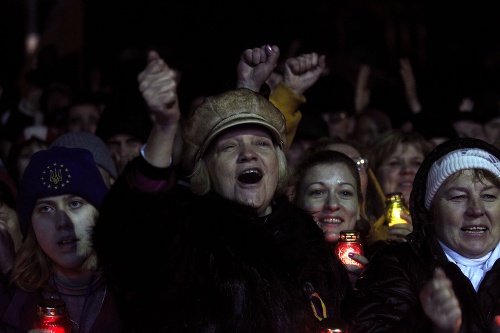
(73,279)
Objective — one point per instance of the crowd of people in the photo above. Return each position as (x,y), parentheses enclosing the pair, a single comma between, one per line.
(144,217)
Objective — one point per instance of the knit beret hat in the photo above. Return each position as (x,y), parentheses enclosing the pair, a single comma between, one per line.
(457,160)
(223,111)
(59,171)
(94,144)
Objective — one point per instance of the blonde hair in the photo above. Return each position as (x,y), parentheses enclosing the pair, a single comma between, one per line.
(32,268)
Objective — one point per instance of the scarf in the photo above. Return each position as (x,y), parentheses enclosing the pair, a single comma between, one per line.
(474,269)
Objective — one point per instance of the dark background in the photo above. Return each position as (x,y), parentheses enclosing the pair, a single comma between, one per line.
(453,46)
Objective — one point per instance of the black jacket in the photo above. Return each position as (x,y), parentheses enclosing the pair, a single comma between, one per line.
(386,298)
(184,263)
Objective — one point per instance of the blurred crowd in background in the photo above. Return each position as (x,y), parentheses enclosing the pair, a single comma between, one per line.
(56,54)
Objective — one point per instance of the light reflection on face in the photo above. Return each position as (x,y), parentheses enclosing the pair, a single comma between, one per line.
(243,166)
(62,226)
(329,193)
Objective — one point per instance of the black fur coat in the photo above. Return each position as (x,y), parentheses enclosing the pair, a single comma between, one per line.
(184,263)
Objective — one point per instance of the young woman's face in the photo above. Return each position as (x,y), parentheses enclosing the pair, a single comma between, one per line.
(398,170)
(466,215)
(355,155)
(329,193)
(63,226)
(243,166)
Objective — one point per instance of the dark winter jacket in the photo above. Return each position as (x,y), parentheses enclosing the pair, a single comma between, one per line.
(387,295)
(184,263)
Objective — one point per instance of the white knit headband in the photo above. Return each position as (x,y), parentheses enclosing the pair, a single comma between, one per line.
(455,161)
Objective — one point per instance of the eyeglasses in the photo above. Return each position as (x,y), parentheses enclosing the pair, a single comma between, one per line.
(361,163)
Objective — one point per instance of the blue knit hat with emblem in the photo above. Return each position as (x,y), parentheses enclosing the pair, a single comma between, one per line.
(59,171)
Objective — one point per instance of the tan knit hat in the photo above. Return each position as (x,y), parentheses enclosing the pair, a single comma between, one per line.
(220,112)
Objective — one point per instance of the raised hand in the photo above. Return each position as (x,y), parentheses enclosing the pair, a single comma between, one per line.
(256,66)
(362,93)
(410,85)
(440,303)
(303,71)
(158,85)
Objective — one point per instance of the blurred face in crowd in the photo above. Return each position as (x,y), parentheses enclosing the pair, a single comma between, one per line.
(297,150)
(366,131)
(469,129)
(397,171)
(243,165)
(466,214)
(123,148)
(492,130)
(9,219)
(25,154)
(62,226)
(329,193)
(339,123)
(83,118)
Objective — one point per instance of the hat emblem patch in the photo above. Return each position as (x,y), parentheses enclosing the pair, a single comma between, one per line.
(56,176)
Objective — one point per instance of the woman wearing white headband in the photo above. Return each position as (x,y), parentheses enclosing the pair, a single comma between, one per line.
(446,278)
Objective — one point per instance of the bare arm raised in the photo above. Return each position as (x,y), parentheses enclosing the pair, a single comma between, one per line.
(159,89)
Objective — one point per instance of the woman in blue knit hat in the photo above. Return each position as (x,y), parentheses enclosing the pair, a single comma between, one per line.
(59,197)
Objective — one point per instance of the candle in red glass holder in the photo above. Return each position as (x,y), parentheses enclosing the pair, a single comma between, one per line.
(348,242)
(52,316)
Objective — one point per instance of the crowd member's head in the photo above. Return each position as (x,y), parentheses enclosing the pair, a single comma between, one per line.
(395,159)
(333,99)
(59,198)
(457,197)
(337,144)
(83,115)
(373,197)
(369,125)
(96,146)
(55,100)
(468,121)
(20,154)
(491,120)
(124,128)
(233,144)
(8,215)
(327,185)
